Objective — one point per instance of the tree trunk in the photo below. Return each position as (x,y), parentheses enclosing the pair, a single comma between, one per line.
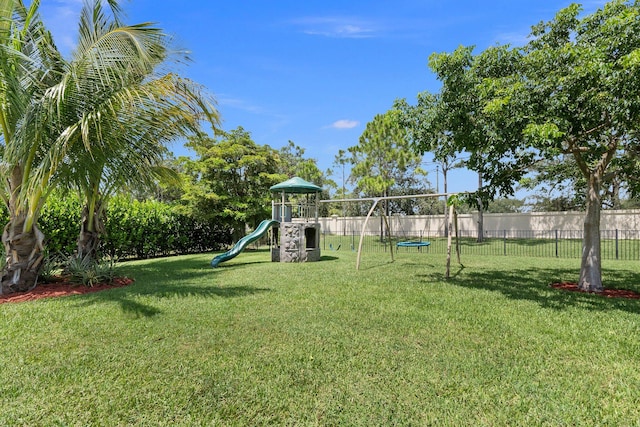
(616,203)
(480,212)
(591,265)
(91,229)
(447,273)
(24,255)
(446,210)
(388,231)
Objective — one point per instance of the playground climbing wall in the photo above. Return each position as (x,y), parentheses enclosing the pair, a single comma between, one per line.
(299,242)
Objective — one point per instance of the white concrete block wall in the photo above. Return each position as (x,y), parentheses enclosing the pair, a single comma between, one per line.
(534,221)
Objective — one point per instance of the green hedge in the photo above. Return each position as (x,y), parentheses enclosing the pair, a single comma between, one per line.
(60,222)
(148,229)
(134,229)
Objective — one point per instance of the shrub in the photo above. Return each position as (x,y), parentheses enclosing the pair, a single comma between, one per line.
(145,229)
(88,272)
(134,229)
(52,266)
(60,222)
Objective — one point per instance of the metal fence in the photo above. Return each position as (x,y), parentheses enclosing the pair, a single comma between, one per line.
(615,244)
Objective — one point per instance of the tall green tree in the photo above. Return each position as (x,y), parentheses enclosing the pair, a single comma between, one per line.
(340,161)
(230,179)
(574,90)
(427,128)
(383,157)
(458,116)
(294,163)
(578,84)
(382,161)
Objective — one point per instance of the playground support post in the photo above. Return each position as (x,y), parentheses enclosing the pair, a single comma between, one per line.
(364,227)
(453,223)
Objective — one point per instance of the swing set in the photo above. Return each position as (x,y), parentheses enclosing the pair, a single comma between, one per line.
(452,201)
(411,243)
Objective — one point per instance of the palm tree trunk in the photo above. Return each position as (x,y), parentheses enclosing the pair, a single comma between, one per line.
(24,255)
(91,229)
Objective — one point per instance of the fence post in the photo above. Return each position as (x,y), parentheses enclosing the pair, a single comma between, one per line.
(616,243)
(353,240)
(556,243)
(504,240)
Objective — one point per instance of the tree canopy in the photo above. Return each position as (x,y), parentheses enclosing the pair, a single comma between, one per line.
(128,122)
(383,159)
(229,179)
(573,90)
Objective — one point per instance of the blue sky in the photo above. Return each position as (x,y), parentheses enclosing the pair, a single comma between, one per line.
(315,72)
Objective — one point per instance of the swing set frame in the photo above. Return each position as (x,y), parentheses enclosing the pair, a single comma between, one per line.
(452,223)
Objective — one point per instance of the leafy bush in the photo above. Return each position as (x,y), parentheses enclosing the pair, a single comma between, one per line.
(60,222)
(150,228)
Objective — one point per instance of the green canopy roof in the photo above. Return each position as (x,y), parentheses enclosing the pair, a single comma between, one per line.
(295,185)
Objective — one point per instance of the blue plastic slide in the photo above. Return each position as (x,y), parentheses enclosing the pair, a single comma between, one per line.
(242,243)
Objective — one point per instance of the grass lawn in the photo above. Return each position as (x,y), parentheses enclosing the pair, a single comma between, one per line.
(259,343)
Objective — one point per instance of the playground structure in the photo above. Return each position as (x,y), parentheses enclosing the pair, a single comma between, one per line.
(295,229)
(294,226)
(295,207)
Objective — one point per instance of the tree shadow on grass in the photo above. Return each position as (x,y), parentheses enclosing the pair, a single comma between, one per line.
(534,285)
(167,278)
(237,263)
(126,301)
(126,297)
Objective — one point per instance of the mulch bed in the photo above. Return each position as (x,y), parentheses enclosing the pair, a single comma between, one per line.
(608,293)
(62,288)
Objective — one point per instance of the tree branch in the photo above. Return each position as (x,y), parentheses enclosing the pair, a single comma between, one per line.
(577,151)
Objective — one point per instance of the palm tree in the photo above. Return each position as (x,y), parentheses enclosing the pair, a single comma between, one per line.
(55,113)
(135,116)
(31,148)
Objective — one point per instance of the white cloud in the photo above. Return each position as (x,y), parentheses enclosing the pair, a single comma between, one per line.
(338,27)
(239,104)
(345,124)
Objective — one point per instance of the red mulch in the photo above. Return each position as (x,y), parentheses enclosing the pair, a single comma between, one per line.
(62,288)
(609,293)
